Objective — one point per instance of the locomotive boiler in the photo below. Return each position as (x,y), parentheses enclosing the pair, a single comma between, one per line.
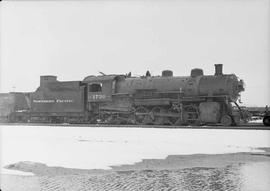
(196,99)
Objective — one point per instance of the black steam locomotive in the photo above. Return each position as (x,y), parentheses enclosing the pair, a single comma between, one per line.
(122,99)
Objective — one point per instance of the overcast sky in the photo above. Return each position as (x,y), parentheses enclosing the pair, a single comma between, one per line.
(73,39)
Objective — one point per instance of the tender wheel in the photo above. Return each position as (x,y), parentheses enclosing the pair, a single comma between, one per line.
(266,120)
(141,115)
(11,118)
(226,120)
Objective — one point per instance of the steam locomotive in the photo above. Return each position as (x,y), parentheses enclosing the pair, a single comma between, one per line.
(197,99)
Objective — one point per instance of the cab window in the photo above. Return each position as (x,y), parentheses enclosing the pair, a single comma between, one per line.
(97,87)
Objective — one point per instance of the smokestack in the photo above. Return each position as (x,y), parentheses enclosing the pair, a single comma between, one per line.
(218,69)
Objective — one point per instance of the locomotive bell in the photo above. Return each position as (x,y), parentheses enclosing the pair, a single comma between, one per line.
(218,69)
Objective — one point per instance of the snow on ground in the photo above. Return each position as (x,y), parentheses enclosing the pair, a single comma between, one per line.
(259,121)
(99,148)
(256,176)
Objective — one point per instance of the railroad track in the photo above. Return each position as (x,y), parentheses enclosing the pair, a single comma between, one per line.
(250,126)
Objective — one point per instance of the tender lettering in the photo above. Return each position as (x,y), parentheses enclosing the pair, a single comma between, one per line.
(53,101)
(43,101)
(64,101)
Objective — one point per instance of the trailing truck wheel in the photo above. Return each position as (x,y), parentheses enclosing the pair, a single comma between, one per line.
(226,120)
(266,120)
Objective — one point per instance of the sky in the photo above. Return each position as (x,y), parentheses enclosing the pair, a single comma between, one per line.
(74,39)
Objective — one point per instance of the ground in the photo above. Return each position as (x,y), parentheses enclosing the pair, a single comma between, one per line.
(176,172)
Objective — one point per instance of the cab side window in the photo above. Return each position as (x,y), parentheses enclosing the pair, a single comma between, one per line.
(97,87)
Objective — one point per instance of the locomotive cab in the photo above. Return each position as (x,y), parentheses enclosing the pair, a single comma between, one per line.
(100,88)
(100,91)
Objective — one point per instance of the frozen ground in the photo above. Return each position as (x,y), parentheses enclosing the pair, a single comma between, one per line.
(100,148)
(89,148)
